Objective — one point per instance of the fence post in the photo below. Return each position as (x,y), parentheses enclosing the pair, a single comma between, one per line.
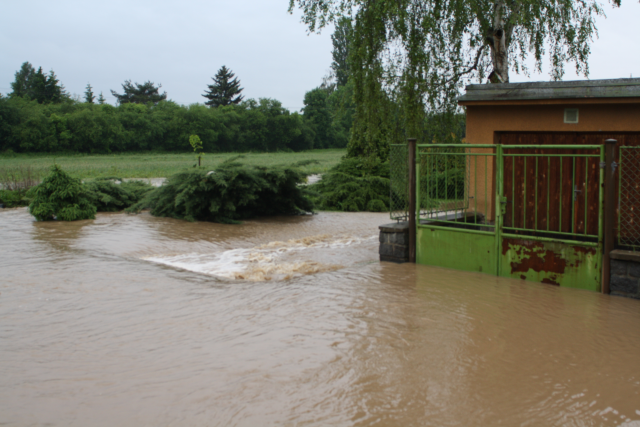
(412,198)
(609,212)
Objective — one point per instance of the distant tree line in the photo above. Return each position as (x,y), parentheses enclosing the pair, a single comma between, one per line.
(262,125)
(39,116)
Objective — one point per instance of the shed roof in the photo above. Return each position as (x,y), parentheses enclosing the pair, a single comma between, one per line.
(580,89)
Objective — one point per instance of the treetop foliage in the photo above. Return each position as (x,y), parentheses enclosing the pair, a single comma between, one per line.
(341,39)
(140,93)
(225,90)
(36,85)
(89,97)
(22,86)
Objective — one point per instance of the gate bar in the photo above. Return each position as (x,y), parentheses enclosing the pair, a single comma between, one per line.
(609,212)
(412,199)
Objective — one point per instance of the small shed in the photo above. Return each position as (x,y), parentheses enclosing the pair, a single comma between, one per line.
(524,198)
(563,113)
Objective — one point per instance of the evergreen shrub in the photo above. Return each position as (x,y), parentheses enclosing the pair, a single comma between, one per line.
(355,184)
(231,193)
(61,197)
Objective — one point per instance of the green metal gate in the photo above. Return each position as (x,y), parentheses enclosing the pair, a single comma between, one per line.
(532,212)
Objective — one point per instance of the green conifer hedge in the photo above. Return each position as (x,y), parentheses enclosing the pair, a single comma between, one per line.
(231,193)
(355,184)
(62,197)
(109,196)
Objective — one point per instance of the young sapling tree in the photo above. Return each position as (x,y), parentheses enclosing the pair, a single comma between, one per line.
(196,144)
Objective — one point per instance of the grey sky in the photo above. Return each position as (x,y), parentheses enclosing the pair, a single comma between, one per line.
(179,44)
(183,44)
(615,54)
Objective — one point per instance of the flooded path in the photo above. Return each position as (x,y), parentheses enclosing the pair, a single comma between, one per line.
(291,321)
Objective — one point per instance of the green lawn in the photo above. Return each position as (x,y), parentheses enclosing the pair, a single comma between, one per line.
(156,165)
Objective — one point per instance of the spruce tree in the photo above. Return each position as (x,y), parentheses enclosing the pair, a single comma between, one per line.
(101,99)
(89,97)
(225,90)
(21,87)
(53,90)
(38,86)
(61,197)
(140,93)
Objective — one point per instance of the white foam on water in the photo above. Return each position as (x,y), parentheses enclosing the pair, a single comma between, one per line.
(264,262)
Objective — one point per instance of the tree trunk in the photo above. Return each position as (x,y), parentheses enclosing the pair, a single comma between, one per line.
(497,43)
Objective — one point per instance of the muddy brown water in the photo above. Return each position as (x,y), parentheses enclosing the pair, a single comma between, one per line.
(291,321)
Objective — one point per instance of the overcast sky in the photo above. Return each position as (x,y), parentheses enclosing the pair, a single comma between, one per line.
(182,44)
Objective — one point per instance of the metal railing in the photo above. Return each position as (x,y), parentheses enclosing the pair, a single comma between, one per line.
(456,184)
(399,182)
(628,230)
(546,191)
(552,191)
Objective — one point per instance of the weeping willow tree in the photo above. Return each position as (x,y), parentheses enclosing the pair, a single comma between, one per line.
(412,57)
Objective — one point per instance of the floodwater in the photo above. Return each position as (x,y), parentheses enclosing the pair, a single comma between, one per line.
(291,321)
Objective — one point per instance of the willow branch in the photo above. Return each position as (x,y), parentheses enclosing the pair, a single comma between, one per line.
(473,67)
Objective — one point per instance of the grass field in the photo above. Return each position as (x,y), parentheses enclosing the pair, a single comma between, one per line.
(156,165)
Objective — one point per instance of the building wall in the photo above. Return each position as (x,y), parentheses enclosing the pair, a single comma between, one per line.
(484,120)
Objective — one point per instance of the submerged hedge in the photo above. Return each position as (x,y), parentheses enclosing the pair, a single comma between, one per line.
(113,194)
(62,197)
(355,184)
(231,193)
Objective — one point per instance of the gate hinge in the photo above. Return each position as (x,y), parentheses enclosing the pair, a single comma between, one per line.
(503,205)
(614,165)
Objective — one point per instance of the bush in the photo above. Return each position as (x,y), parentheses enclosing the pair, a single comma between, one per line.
(230,193)
(65,198)
(355,184)
(12,199)
(62,197)
(108,196)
